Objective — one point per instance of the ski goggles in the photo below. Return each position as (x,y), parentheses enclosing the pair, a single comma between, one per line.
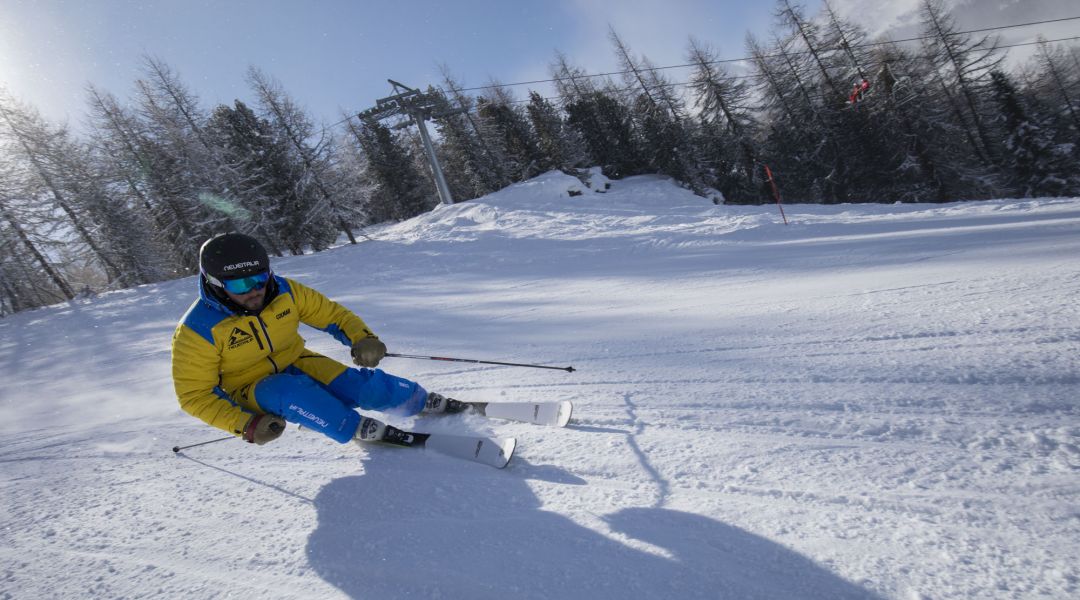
(243,285)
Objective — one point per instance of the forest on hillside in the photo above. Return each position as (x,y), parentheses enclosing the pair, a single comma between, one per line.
(836,117)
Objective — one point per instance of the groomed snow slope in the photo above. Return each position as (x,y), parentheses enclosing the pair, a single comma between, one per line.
(874,401)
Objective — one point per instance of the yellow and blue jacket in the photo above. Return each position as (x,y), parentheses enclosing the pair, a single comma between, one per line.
(220,352)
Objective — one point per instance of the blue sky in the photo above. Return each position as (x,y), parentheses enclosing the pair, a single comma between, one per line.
(334,56)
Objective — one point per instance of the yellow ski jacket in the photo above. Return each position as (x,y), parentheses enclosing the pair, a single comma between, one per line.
(219,354)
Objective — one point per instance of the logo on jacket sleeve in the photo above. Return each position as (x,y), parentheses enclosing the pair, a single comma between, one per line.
(239,337)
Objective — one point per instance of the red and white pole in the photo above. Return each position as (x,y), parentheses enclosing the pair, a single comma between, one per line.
(775,192)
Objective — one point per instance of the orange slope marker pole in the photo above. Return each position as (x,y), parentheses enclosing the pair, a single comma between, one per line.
(775,192)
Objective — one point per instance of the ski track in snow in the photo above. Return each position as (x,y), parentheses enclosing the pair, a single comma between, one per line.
(875,401)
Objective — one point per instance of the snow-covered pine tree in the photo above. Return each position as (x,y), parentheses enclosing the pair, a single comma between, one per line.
(468,145)
(798,143)
(397,189)
(595,114)
(508,130)
(312,149)
(820,57)
(71,194)
(124,228)
(814,62)
(461,152)
(1054,83)
(115,143)
(728,126)
(266,183)
(870,140)
(852,57)
(560,146)
(667,139)
(28,278)
(179,163)
(127,151)
(913,164)
(963,65)
(1033,163)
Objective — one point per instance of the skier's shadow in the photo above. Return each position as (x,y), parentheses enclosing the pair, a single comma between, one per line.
(437,528)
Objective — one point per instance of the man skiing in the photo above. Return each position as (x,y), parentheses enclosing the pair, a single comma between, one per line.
(239,363)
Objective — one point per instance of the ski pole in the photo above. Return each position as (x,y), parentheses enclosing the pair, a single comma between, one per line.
(482,362)
(179,448)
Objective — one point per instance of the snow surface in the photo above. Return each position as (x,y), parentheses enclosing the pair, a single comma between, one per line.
(875,401)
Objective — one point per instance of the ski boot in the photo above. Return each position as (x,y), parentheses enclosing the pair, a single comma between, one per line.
(439,404)
(373,430)
(369,430)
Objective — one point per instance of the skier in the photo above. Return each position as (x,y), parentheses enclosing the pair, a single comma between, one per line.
(858,89)
(239,363)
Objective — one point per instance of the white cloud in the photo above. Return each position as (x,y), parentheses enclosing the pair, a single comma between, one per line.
(661,30)
(878,17)
(900,18)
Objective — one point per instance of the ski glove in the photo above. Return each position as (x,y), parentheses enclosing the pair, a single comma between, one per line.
(367,352)
(263,428)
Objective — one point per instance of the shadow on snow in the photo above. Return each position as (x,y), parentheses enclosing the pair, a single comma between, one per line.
(462,531)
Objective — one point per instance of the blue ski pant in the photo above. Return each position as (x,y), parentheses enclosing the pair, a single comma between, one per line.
(330,408)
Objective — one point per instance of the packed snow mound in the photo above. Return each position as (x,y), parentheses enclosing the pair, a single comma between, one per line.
(544,207)
(655,210)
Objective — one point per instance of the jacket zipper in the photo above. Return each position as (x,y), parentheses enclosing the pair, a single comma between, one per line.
(269,343)
(256,334)
(265,333)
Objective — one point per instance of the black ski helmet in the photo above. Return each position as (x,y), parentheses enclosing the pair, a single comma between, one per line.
(232,255)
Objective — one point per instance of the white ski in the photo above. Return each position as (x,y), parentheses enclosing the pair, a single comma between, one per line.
(555,414)
(495,452)
(489,451)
